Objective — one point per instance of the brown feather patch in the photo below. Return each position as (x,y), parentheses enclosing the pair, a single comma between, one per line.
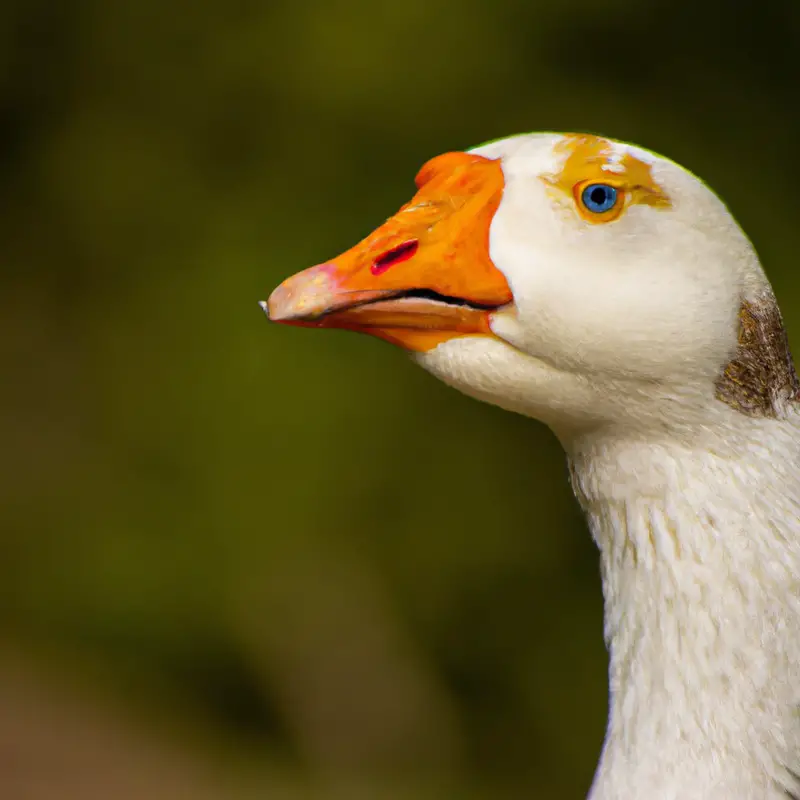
(760,379)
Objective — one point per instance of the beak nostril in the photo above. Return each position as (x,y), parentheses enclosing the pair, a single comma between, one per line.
(394,256)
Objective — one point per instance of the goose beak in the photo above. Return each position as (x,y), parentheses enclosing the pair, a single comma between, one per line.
(423,277)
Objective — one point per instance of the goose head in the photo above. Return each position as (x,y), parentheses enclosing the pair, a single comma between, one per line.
(609,293)
(573,278)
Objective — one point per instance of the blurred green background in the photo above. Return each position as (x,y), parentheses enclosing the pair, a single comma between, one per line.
(243,561)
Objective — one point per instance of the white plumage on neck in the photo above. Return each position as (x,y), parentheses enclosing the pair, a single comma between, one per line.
(700,554)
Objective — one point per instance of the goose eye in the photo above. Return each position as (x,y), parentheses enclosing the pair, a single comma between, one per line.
(599,198)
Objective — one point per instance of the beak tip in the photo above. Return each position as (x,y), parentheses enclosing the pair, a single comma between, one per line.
(279,306)
(303,297)
(274,312)
(282,306)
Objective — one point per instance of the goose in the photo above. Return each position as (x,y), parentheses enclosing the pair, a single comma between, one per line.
(609,293)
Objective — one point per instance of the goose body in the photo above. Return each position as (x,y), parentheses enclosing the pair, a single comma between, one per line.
(609,293)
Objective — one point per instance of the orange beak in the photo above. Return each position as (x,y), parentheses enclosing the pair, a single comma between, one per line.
(422,277)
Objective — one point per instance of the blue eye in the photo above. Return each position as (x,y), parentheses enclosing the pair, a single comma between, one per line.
(599,197)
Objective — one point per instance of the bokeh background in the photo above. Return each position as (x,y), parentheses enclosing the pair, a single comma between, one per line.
(242,561)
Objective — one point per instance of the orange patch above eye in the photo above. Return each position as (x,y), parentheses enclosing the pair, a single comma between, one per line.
(594,160)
